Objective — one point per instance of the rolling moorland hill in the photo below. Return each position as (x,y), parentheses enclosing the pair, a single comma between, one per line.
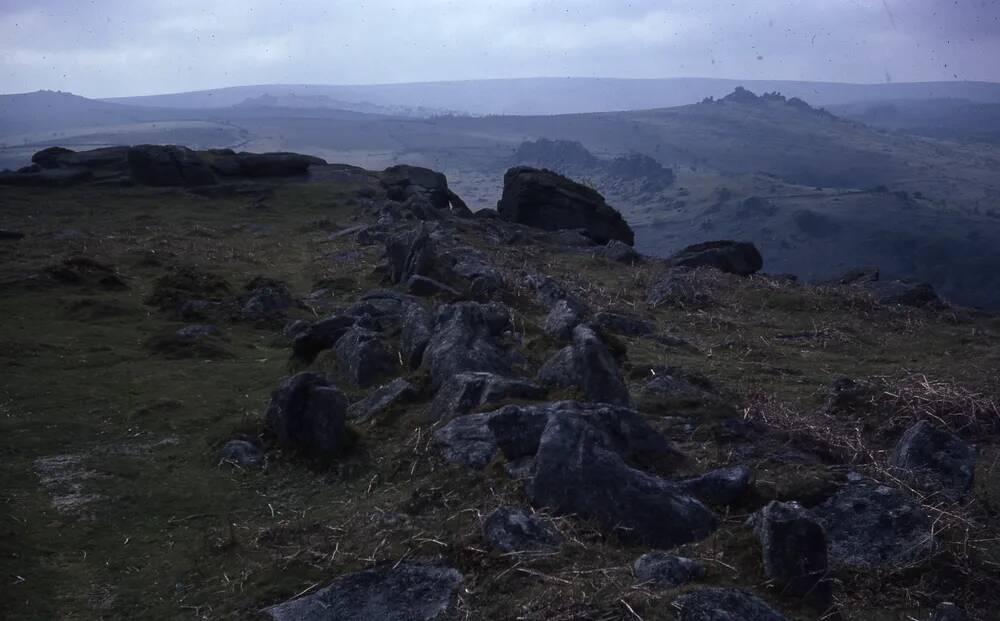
(244,386)
(836,192)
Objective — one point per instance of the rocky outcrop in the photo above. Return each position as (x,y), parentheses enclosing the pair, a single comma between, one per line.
(466,392)
(466,338)
(741,258)
(547,200)
(561,320)
(228,163)
(307,413)
(587,365)
(393,592)
(410,253)
(168,165)
(396,393)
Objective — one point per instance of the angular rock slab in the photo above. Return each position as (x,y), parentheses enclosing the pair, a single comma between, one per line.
(724,605)
(406,592)
(466,338)
(466,392)
(667,570)
(794,549)
(307,413)
(871,526)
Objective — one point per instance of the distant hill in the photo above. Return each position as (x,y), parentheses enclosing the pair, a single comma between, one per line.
(569,95)
(948,119)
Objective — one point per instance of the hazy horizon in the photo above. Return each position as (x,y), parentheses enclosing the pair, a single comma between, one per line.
(122,49)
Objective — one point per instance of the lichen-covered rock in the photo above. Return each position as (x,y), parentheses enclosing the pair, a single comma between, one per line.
(307,413)
(410,254)
(935,460)
(513,529)
(466,337)
(561,320)
(598,375)
(417,327)
(362,357)
(667,570)
(466,392)
(395,393)
(393,592)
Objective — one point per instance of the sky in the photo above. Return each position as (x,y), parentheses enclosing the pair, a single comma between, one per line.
(104,48)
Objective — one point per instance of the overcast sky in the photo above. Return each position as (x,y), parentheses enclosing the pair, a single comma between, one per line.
(131,47)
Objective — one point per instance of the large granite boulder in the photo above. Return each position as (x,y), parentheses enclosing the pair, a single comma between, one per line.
(307,413)
(547,200)
(733,257)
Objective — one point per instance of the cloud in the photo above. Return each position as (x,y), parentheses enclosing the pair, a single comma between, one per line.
(114,47)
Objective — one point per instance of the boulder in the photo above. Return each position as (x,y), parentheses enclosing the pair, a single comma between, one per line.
(561,320)
(547,200)
(322,335)
(363,358)
(395,393)
(856,276)
(559,371)
(467,440)
(597,373)
(426,287)
(667,570)
(403,182)
(242,453)
(724,605)
(933,460)
(513,529)
(576,473)
(466,392)
(168,165)
(946,611)
(47,178)
(307,413)
(393,592)
(621,252)
(732,257)
(722,488)
(902,293)
(416,333)
(281,164)
(676,288)
(872,526)
(794,550)
(410,254)
(466,338)
(625,325)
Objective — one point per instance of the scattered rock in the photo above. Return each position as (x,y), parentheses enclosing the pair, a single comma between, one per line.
(676,288)
(385,398)
(417,328)
(307,413)
(733,257)
(427,287)
(626,325)
(795,551)
(935,460)
(468,440)
(724,487)
(576,473)
(410,254)
(281,164)
(620,252)
(559,371)
(561,320)
(363,358)
(242,453)
(724,605)
(667,570)
(547,200)
(404,182)
(466,338)
(588,365)
(871,526)
(466,392)
(903,293)
(856,276)
(320,336)
(513,529)
(399,592)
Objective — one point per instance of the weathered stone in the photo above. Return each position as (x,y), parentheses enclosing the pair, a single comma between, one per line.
(512,529)
(410,254)
(363,358)
(417,327)
(466,338)
(667,570)
(306,413)
(320,336)
(935,460)
(393,592)
(620,252)
(723,487)
(733,257)
(467,440)
(676,288)
(795,551)
(391,395)
(168,165)
(242,453)
(599,378)
(466,392)
(547,200)
(561,320)
(947,611)
(426,287)
(724,605)
(575,473)
(560,371)
(871,526)
(626,325)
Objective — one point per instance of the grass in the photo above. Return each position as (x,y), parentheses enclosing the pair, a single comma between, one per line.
(115,505)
